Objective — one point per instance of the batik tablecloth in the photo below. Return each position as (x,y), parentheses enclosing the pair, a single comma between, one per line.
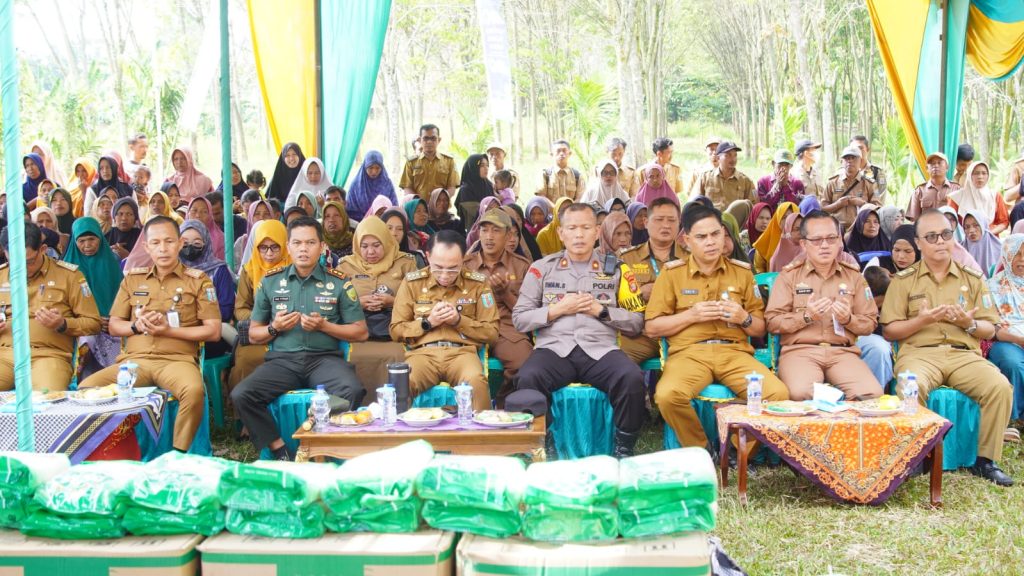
(77,430)
(852,458)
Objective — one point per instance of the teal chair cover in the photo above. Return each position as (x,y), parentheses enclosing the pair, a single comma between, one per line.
(960,446)
(289,411)
(581,422)
(150,449)
(436,397)
(705,413)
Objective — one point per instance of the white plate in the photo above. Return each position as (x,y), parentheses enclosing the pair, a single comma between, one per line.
(791,414)
(76,399)
(424,423)
(504,424)
(877,412)
(11,397)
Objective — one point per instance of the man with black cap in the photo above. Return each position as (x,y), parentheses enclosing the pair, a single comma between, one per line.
(725,185)
(710,147)
(807,152)
(576,301)
(848,190)
(934,192)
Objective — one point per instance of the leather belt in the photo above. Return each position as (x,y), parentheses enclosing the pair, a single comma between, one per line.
(442,344)
(955,346)
(830,345)
(717,342)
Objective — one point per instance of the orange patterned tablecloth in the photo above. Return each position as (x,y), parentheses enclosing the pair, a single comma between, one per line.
(853,458)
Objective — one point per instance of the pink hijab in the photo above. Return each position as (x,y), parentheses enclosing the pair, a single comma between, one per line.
(191,182)
(788,249)
(216,235)
(647,194)
(379,203)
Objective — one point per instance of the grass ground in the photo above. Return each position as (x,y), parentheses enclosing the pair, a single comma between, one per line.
(790,527)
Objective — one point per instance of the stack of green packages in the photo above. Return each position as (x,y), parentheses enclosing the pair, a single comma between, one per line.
(275,499)
(177,494)
(86,501)
(20,474)
(374,492)
(667,492)
(476,494)
(572,500)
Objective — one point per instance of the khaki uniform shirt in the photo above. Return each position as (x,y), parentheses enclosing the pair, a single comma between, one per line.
(798,283)
(549,279)
(558,182)
(724,191)
(424,175)
(928,195)
(693,185)
(834,190)
(875,175)
(682,285)
(628,179)
(470,294)
(646,267)
(811,179)
(56,285)
(674,177)
(187,291)
(244,297)
(513,267)
(386,283)
(912,287)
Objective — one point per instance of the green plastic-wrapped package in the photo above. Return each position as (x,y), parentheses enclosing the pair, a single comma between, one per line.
(100,488)
(375,480)
(307,522)
(181,483)
(272,486)
(582,482)
(486,482)
(483,522)
(143,521)
(571,523)
(20,474)
(667,518)
(685,474)
(390,516)
(46,524)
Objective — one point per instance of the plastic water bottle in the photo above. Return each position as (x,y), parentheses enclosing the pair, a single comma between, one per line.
(755,382)
(464,400)
(388,401)
(908,386)
(124,385)
(321,409)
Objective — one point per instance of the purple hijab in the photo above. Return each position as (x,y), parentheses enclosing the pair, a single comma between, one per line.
(363,189)
(30,189)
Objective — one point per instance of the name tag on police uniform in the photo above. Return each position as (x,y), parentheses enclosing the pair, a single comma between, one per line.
(173,319)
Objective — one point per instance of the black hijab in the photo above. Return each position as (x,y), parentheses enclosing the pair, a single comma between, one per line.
(66,221)
(528,238)
(236,189)
(474,188)
(124,190)
(284,177)
(115,235)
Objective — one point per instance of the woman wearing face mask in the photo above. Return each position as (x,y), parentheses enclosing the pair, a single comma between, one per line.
(197,252)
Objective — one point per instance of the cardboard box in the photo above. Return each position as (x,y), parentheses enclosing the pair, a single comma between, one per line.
(425,553)
(22,555)
(681,555)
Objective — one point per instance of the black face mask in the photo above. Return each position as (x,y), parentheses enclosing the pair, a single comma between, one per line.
(190,252)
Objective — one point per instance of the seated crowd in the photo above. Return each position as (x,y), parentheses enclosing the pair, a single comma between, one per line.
(597,274)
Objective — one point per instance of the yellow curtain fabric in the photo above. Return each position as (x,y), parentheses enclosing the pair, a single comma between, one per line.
(284,44)
(993,48)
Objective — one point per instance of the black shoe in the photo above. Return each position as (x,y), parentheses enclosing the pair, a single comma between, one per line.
(625,444)
(990,471)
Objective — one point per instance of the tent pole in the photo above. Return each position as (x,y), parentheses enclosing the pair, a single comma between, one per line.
(943,40)
(225,137)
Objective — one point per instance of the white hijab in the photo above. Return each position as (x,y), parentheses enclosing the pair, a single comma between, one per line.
(970,198)
(302,181)
(600,194)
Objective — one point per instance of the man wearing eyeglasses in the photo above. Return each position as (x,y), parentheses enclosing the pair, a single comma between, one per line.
(938,311)
(820,305)
(430,169)
(444,314)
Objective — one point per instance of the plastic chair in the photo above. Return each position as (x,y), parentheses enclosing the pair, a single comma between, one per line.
(212,370)
(865,257)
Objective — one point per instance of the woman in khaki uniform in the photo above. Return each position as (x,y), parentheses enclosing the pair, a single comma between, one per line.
(376,268)
(269,248)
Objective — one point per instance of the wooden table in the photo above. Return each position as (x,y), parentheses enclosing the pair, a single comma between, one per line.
(916,440)
(318,446)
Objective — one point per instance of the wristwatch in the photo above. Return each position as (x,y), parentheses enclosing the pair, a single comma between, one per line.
(604,315)
(135,330)
(750,320)
(272,331)
(972,328)
(63,327)
(807,319)
(425,324)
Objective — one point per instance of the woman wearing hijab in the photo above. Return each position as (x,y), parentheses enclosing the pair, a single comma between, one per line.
(547,238)
(419,218)
(976,195)
(904,248)
(190,181)
(654,186)
(259,211)
(474,188)
(90,251)
(200,209)
(757,222)
(79,187)
(732,239)
(160,205)
(312,178)
(397,224)
(538,214)
(197,252)
(238,185)
(637,214)
(47,222)
(606,186)
(269,250)
(616,233)
(809,204)
(35,173)
(307,201)
(980,242)
(289,163)
(866,234)
(527,244)
(764,247)
(789,245)
(377,268)
(60,203)
(1007,290)
(489,203)
(438,210)
(102,211)
(52,167)
(370,182)
(337,233)
(891,218)
(124,235)
(378,206)
(107,170)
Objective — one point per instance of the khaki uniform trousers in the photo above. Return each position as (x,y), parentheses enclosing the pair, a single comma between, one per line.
(801,365)
(247,359)
(49,372)
(968,372)
(371,360)
(179,376)
(641,348)
(429,366)
(512,356)
(687,372)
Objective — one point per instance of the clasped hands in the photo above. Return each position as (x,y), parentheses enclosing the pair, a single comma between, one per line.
(285,321)
(715,310)
(952,313)
(575,303)
(818,308)
(444,313)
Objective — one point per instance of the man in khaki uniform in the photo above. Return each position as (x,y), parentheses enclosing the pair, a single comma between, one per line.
(662,149)
(444,315)
(707,306)
(627,174)
(933,193)
(848,190)
(431,169)
(61,308)
(938,311)
(873,173)
(710,148)
(165,311)
(561,179)
(725,185)
(505,272)
(807,157)
(647,261)
(819,306)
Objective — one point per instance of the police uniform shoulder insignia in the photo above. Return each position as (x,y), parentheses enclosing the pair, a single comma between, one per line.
(907,271)
(794,264)
(972,271)
(139,270)
(675,263)
(277,270)
(740,263)
(416,274)
(443,155)
(479,277)
(194,272)
(405,255)
(850,265)
(337,273)
(68,265)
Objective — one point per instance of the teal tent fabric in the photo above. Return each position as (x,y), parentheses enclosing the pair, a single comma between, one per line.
(351,40)
(151,448)
(16,215)
(289,411)
(581,421)
(960,446)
